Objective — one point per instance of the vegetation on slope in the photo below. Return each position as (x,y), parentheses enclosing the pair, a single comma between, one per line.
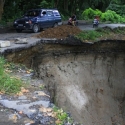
(102,34)
(8,83)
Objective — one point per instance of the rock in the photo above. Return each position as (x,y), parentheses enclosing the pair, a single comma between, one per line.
(27,124)
(22,97)
(4,43)
(21,41)
(13,117)
(45,120)
(0,97)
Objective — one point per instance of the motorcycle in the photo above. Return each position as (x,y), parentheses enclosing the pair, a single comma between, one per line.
(96,21)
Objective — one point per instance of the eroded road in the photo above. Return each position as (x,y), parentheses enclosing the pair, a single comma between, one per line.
(8,116)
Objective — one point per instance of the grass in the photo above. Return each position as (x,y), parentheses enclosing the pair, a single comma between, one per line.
(8,83)
(89,35)
(61,116)
(42,87)
(99,33)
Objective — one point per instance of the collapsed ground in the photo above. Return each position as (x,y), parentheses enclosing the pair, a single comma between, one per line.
(57,32)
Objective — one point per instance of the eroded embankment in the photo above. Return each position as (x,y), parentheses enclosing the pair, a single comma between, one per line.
(84,79)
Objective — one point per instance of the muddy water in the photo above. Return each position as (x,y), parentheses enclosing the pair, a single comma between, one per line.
(86,80)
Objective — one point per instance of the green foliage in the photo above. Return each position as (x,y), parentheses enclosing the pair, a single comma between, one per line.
(119,9)
(120,30)
(109,15)
(104,30)
(15,9)
(42,87)
(64,17)
(8,84)
(112,16)
(3,23)
(2,62)
(88,35)
(98,12)
(11,11)
(100,33)
(61,116)
(90,13)
(45,4)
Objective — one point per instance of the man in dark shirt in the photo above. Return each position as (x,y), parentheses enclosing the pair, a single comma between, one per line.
(73,19)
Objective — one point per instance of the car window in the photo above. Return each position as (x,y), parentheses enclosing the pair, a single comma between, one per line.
(50,13)
(56,13)
(33,13)
(44,13)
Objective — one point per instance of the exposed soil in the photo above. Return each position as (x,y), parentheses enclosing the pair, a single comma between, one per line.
(59,32)
(64,31)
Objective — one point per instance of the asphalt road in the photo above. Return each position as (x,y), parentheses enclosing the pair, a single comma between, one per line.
(90,26)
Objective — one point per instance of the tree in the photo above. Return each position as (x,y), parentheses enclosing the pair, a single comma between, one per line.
(15,8)
(1,7)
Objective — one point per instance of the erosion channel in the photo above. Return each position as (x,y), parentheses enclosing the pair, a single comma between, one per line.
(85,79)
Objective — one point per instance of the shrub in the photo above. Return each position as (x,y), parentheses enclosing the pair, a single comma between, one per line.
(61,116)
(89,13)
(112,16)
(109,15)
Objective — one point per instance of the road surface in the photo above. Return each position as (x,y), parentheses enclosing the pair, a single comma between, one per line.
(90,26)
(11,34)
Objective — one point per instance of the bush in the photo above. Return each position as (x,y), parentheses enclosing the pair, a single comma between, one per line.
(89,13)
(112,16)
(109,15)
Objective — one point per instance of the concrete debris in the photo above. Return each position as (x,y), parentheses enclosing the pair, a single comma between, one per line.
(13,117)
(21,41)
(4,43)
(24,105)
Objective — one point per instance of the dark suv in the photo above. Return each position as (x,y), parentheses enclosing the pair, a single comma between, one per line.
(37,19)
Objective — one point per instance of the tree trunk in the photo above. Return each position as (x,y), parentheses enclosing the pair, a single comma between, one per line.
(66,5)
(1,7)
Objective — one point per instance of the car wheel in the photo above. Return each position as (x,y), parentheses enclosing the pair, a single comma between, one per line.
(35,28)
(55,25)
(18,30)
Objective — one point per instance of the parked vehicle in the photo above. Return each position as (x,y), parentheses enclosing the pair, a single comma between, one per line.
(37,19)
